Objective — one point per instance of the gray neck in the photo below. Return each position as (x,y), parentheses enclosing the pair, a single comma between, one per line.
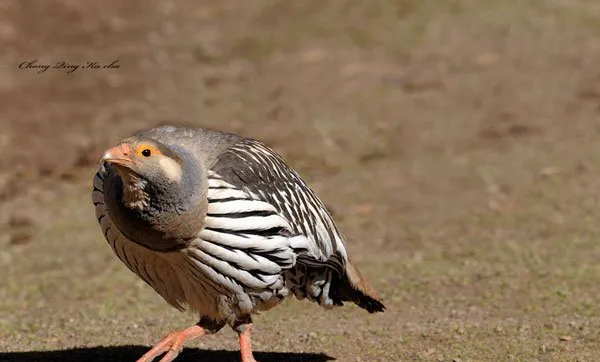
(160,215)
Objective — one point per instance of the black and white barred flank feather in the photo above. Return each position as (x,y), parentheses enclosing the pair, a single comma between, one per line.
(264,175)
(261,172)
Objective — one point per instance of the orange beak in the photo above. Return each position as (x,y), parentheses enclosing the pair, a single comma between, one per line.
(119,155)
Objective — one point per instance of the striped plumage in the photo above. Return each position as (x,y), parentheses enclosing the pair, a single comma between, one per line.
(254,231)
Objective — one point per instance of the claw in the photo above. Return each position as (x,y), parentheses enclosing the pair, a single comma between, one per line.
(172,344)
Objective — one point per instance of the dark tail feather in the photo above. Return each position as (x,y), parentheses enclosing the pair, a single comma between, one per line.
(353,287)
(347,283)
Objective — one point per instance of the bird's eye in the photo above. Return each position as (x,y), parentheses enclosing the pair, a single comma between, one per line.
(146,153)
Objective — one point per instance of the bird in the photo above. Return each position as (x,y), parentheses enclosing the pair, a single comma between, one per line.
(220,225)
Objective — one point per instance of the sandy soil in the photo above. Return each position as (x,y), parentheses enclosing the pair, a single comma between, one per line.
(455,141)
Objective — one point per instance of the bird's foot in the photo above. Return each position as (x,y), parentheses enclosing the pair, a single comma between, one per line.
(173,344)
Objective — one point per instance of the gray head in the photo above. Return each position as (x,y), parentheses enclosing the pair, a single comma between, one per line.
(155,192)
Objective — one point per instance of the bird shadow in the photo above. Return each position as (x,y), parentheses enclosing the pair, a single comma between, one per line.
(132,353)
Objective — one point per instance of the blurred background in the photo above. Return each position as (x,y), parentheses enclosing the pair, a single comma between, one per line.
(455,142)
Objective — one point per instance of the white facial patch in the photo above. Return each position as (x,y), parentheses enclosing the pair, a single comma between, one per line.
(170,168)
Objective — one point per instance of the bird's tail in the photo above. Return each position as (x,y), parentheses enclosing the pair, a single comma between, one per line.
(353,287)
(332,282)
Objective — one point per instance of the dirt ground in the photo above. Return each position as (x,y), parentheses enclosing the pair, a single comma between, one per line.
(455,141)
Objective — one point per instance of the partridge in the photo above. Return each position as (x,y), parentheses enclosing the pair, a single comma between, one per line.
(220,225)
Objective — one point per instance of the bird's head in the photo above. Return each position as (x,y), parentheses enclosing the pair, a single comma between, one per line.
(155,191)
(146,159)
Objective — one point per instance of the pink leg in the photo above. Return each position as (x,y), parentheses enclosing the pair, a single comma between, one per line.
(245,332)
